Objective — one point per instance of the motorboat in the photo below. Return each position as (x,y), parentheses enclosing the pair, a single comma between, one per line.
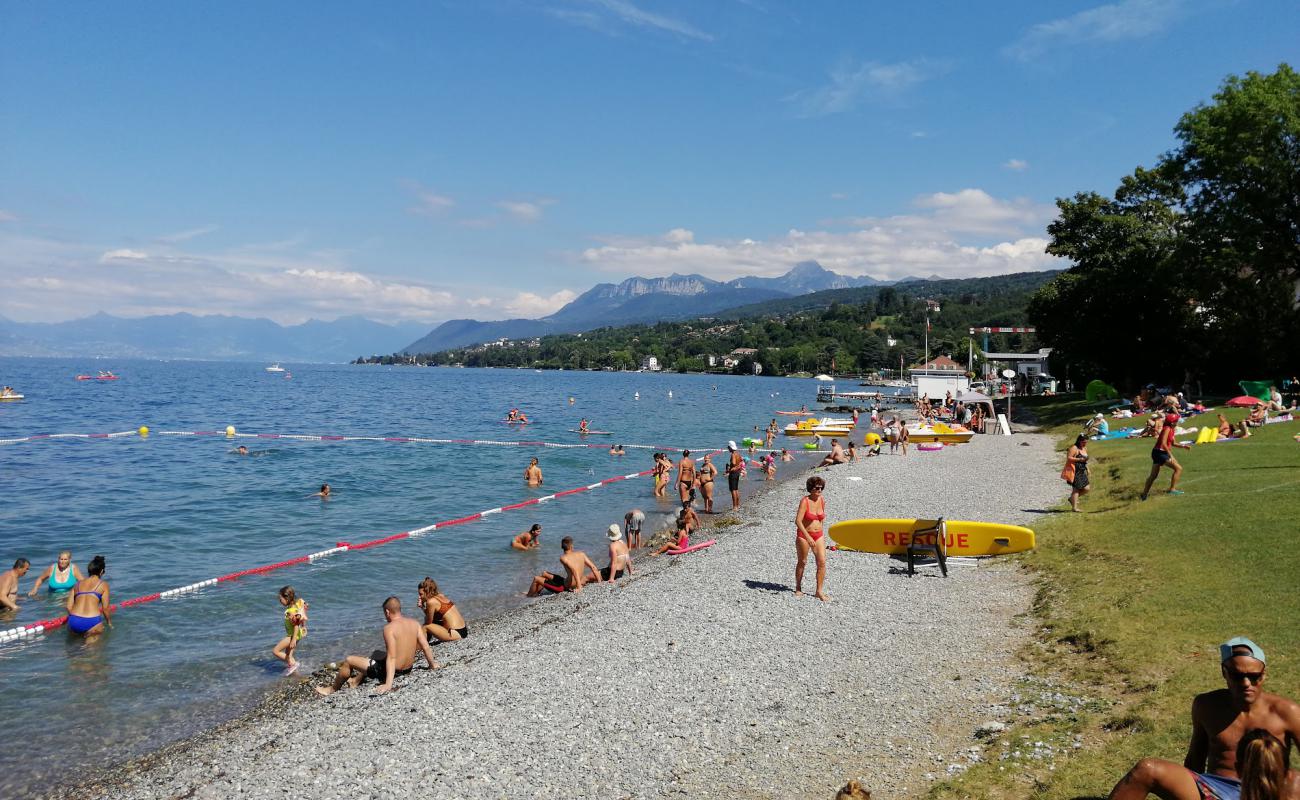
(939,432)
(11,396)
(275,368)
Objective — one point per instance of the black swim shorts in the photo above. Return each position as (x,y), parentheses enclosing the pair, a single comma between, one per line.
(1160,457)
(733,481)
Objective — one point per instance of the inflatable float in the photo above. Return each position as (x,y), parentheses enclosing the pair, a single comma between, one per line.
(692,548)
(930,447)
(796,413)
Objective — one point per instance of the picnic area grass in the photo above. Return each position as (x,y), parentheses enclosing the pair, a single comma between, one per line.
(1133,598)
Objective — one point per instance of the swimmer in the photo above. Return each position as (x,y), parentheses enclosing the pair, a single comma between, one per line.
(620,561)
(9,584)
(241,450)
(522,418)
(61,576)
(324,492)
(570,401)
(88,604)
(295,629)
(442,620)
(533,474)
(402,638)
(530,539)
(785,455)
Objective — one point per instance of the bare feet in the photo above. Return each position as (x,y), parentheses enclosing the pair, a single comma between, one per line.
(324,691)
(822,596)
(798,592)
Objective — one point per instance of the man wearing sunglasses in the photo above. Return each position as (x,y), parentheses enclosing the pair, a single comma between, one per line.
(1219,720)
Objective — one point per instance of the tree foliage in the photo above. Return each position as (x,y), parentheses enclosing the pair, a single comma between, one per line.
(1191,270)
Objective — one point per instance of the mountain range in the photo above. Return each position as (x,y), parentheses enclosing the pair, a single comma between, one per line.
(210,338)
(642,300)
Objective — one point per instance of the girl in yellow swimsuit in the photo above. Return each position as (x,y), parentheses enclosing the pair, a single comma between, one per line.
(295,628)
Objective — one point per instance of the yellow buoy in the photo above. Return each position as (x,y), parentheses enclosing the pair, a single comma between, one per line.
(144,431)
(230,431)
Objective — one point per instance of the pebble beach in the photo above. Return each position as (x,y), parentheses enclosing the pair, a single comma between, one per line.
(703,676)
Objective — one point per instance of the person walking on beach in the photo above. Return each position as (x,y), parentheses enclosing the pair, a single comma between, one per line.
(808,536)
(9,584)
(533,473)
(59,576)
(295,629)
(88,605)
(632,522)
(707,473)
(1076,470)
(1224,725)
(578,570)
(735,466)
(1165,430)
(686,477)
(620,561)
(530,539)
(402,639)
(902,437)
(442,620)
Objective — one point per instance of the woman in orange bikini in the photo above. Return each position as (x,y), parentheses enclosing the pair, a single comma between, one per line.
(442,620)
(808,536)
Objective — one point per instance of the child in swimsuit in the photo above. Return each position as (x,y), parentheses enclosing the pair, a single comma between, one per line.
(295,628)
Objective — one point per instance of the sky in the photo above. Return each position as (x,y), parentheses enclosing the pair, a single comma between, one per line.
(426,161)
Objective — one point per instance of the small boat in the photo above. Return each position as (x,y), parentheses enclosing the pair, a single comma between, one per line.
(11,396)
(103,376)
(938,433)
(275,368)
(815,427)
(797,413)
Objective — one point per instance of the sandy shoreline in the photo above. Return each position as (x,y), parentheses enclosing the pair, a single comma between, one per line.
(704,677)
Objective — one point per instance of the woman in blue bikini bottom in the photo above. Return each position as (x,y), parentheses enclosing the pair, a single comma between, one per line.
(88,604)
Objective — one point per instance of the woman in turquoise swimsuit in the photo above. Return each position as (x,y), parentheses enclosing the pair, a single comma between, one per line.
(59,577)
(88,605)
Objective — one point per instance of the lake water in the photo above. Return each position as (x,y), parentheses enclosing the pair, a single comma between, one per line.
(167,511)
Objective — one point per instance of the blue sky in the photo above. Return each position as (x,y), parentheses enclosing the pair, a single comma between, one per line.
(425,161)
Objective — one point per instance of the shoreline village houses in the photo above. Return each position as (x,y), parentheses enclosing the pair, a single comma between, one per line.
(939,375)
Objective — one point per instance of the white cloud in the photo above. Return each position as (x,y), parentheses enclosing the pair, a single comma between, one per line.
(1016,165)
(123,254)
(853,82)
(524,210)
(6,216)
(185,236)
(1115,22)
(530,306)
(839,195)
(428,203)
(627,13)
(958,234)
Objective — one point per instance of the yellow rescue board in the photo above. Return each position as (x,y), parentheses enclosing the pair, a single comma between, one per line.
(891,536)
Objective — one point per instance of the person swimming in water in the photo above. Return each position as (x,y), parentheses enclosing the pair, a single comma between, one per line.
(60,576)
(530,539)
(324,492)
(533,474)
(241,450)
(9,584)
(89,607)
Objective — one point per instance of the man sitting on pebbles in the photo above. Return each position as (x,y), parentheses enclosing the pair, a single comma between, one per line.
(402,636)
(579,570)
(836,455)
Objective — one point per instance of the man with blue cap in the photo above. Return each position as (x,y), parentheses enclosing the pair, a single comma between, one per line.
(1220,720)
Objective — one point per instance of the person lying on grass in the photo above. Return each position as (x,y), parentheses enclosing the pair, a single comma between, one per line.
(1224,723)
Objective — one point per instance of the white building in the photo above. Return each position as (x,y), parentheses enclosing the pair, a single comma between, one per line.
(938,376)
(650,364)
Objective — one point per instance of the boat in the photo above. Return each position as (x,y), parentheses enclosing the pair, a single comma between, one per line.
(102,376)
(797,413)
(816,427)
(275,368)
(11,396)
(938,433)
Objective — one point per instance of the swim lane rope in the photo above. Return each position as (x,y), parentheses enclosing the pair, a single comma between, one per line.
(40,626)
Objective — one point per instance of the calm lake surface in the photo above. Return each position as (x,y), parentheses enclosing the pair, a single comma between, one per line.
(167,511)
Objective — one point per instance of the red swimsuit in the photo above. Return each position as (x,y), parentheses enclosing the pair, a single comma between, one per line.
(809,516)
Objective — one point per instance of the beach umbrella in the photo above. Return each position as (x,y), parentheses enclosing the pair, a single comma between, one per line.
(1244,401)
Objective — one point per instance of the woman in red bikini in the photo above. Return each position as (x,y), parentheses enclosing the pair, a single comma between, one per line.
(442,620)
(808,536)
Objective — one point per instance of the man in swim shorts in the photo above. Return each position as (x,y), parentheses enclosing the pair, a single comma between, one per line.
(9,584)
(1219,720)
(632,522)
(735,465)
(578,571)
(402,637)
(1166,429)
(686,477)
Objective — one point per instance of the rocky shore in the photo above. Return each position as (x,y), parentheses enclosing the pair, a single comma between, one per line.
(704,676)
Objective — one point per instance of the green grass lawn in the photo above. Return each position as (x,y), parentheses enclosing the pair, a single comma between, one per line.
(1134,597)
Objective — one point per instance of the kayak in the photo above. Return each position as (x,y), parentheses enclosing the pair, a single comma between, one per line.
(11,397)
(591,433)
(797,413)
(96,377)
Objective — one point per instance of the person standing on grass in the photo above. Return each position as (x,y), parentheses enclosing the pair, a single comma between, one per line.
(808,537)
(1076,470)
(1223,762)
(1165,430)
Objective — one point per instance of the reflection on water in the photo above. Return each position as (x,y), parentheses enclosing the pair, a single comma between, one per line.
(166,511)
